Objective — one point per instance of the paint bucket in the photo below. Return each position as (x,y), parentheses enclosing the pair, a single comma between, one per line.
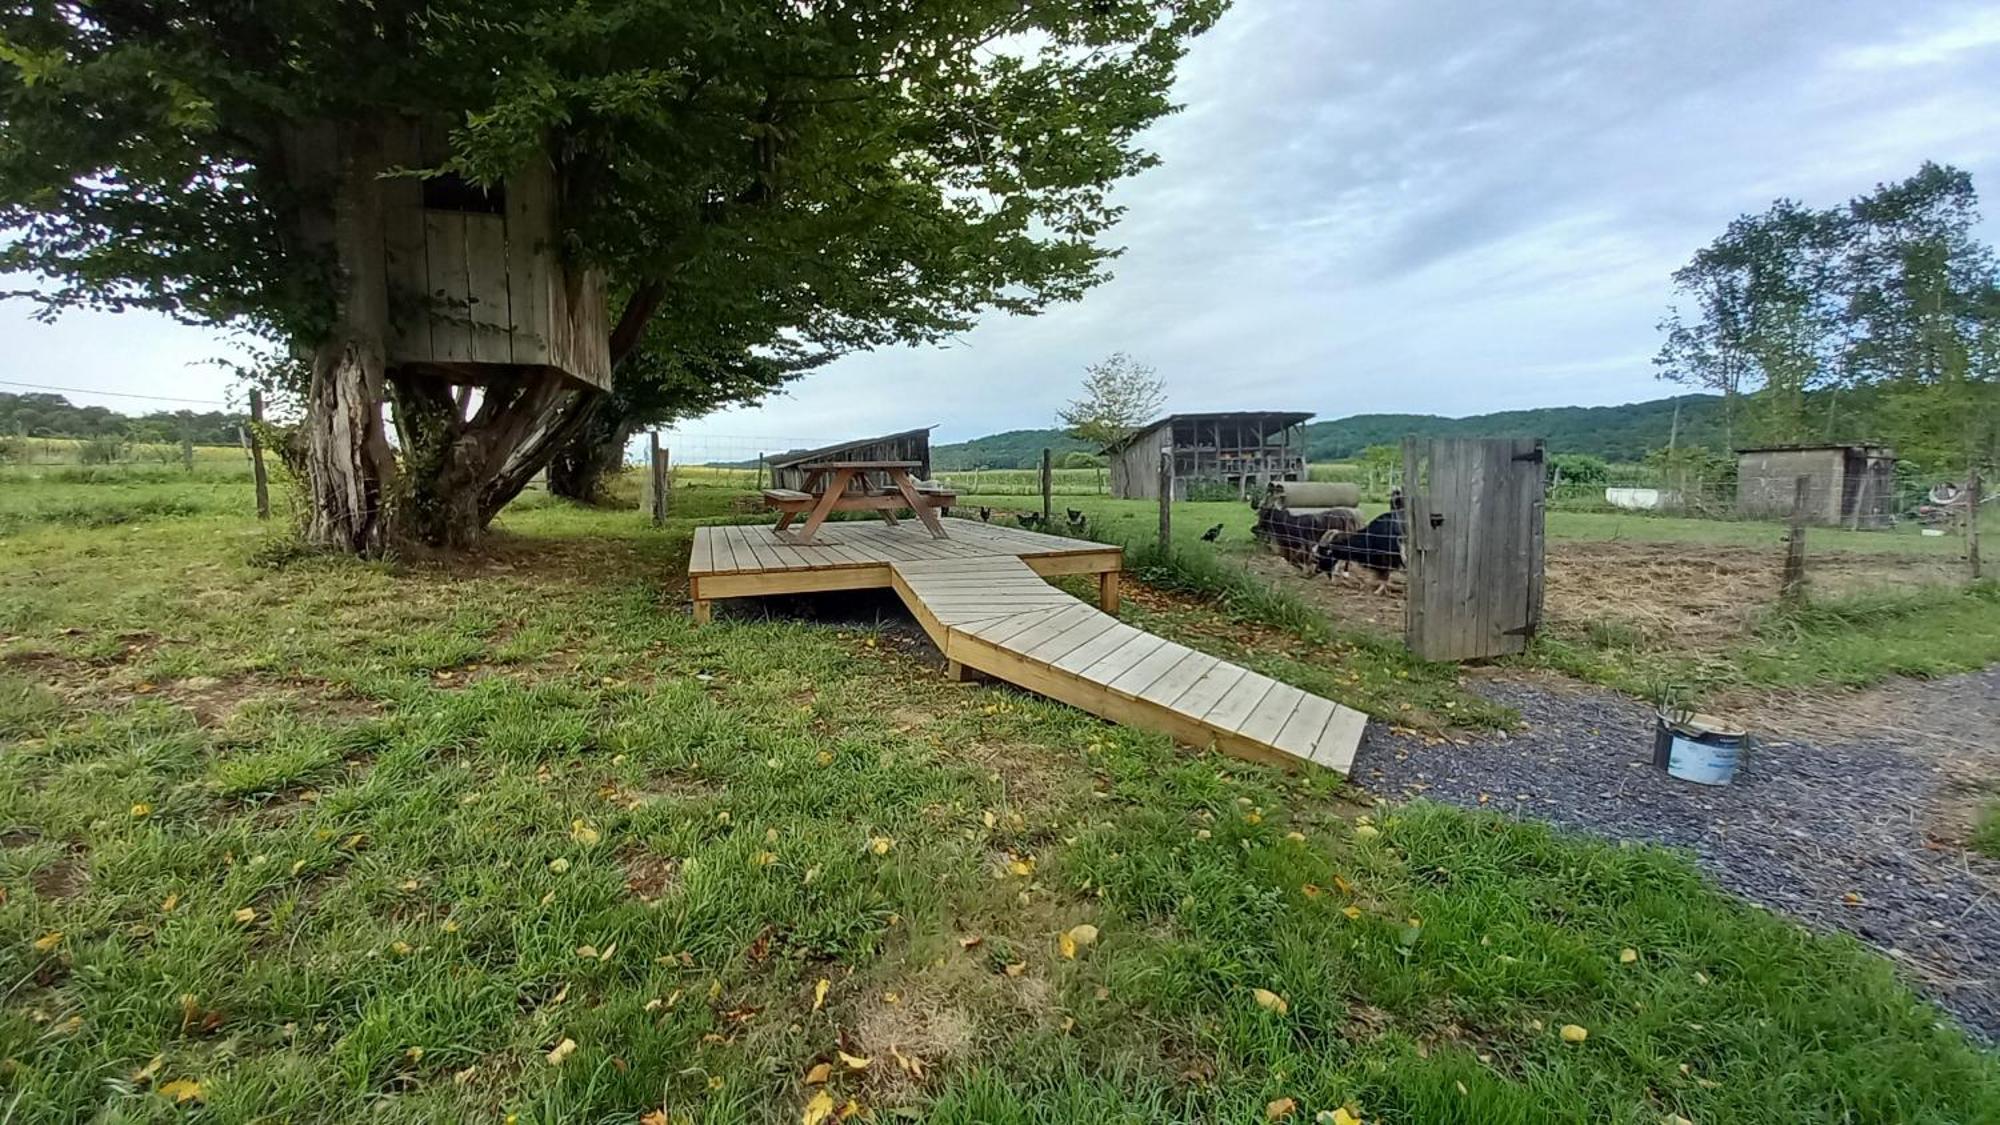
(1698,748)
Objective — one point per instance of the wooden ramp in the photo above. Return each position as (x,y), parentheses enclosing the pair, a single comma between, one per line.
(997,616)
(983,599)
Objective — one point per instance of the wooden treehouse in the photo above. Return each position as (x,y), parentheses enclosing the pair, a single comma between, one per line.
(476,286)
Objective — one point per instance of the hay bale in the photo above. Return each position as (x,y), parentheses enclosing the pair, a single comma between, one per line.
(1297,494)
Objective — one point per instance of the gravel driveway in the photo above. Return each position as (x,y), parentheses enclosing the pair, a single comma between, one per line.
(1806,825)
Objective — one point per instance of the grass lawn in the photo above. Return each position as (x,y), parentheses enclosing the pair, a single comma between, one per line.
(508,838)
(1986,836)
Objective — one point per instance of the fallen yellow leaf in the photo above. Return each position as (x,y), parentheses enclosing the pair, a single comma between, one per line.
(168,903)
(1627,956)
(818,1075)
(1342,1116)
(48,941)
(818,1109)
(763,859)
(1279,1109)
(880,845)
(1023,867)
(1342,885)
(1309,890)
(1271,1001)
(583,833)
(559,865)
(142,809)
(1366,831)
(1075,938)
(181,1090)
(246,915)
(1017,968)
(1296,837)
(854,1062)
(1351,910)
(1574,1033)
(562,1051)
(819,993)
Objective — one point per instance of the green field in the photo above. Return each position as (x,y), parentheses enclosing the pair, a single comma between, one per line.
(507,838)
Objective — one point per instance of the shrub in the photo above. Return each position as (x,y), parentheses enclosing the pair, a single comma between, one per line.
(99,450)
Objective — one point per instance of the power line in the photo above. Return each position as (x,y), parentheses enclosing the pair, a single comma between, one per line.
(112,394)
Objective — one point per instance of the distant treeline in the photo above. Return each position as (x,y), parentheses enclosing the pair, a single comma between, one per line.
(1614,433)
(52,415)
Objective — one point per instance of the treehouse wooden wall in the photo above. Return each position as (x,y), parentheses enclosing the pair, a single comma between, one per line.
(470,290)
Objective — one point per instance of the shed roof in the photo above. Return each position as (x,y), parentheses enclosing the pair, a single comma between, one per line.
(1280,417)
(1865,448)
(798,456)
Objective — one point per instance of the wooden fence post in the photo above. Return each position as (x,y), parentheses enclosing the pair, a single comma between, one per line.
(1048,487)
(1792,586)
(1167,500)
(257,455)
(187,445)
(659,470)
(1972,489)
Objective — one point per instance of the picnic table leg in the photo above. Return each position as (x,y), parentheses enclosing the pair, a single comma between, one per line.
(824,508)
(908,487)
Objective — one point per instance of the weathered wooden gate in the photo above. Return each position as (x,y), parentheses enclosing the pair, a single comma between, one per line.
(1473,524)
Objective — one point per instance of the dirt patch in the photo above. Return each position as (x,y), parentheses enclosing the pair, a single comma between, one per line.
(650,876)
(62,879)
(1703,597)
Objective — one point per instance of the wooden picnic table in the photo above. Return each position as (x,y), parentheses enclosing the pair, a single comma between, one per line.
(829,489)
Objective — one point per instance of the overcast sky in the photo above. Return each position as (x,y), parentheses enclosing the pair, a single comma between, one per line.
(1373,205)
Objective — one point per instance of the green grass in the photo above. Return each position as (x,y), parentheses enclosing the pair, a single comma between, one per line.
(1986,834)
(478,811)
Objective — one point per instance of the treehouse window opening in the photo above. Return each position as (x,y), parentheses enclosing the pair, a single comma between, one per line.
(453,192)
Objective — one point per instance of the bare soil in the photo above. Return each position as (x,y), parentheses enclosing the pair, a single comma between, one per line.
(1701,596)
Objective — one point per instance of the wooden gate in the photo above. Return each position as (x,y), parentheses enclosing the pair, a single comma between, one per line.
(1474,538)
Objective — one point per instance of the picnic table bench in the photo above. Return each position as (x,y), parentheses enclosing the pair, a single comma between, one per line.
(845,486)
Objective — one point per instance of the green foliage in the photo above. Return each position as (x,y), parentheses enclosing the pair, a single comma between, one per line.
(100,450)
(1120,394)
(1986,834)
(1578,468)
(1875,321)
(1080,459)
(1615,433)
(52,415)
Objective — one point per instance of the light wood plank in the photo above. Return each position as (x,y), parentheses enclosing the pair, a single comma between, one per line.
(1058,621)
(1230,711)
(1337,744)
(1070,639)
(1179,679)
(1305,725)
(1097,648)
(1006,629)
(1119,660)
(1213,687)
(1272,714)
(1140,676)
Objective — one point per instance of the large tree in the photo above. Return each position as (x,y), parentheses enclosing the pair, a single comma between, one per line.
(773,180)
(1120,394)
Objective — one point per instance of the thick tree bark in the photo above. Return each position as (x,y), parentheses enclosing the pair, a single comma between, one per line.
(581,469)
(350,469)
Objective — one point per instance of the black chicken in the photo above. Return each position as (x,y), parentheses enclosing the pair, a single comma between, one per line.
(1212,534)
(985,514)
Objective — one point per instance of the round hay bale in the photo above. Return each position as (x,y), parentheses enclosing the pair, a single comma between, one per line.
(1292,495)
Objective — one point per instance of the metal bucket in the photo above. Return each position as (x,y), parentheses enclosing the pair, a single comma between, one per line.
(1698,748)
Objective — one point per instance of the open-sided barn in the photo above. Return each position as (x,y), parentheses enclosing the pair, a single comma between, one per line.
(1238,452)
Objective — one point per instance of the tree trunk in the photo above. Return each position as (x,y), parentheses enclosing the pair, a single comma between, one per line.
(581,469)
(350,469)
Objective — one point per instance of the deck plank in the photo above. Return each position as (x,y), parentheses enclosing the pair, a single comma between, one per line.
(1136,679)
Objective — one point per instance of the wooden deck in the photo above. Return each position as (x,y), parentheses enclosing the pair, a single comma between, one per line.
(982,598)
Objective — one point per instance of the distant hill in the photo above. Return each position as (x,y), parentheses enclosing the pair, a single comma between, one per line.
(1015,449)
(1615,433)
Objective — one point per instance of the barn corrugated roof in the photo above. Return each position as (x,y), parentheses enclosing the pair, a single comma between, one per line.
(1281,417)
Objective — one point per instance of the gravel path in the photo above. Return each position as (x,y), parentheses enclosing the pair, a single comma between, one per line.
(1804,825)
